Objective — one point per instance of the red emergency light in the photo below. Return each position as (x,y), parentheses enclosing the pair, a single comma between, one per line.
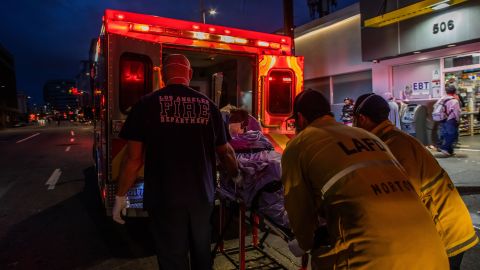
(153,28)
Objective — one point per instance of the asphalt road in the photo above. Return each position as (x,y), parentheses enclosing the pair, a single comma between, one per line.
(51,215)
(59,225)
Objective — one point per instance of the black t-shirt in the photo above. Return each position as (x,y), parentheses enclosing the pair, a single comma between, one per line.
(180,129)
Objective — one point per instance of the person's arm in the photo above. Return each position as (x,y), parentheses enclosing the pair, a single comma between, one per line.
(132,162)
(226,155)
(224,150)
(299,201)
(133,131)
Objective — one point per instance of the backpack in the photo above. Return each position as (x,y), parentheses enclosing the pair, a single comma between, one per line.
(440,110)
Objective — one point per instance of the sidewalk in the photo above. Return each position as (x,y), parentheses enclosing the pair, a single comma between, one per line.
(464,167)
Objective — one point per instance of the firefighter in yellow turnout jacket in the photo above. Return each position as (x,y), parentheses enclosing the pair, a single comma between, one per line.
(348,178)
(431,182)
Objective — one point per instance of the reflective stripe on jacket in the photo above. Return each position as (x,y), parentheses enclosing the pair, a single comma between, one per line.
(375,219)
(435,188)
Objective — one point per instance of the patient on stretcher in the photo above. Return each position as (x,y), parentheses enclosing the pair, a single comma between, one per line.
(260,187)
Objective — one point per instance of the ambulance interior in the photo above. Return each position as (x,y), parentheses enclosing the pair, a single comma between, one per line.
(225,78)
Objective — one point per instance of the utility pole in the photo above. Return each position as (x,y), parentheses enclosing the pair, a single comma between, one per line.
(202,10)
(288,27)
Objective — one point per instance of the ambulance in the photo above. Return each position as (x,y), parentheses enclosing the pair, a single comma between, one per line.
(234,67)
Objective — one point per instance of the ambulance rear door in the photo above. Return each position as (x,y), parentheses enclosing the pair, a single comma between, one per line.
(134,71)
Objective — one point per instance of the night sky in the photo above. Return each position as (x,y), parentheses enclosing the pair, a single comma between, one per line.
(49,38)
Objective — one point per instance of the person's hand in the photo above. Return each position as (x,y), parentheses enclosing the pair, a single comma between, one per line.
(238,179)
(295,248)
(119,208)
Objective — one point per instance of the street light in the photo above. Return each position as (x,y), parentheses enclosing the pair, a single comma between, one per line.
(211,11)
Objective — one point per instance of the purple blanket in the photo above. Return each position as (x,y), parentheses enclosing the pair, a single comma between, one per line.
(259,169)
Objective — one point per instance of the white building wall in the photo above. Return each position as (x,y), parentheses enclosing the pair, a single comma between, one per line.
(381,78)
(333,49)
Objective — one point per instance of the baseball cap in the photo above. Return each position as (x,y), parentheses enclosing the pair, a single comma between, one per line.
(311,104)
(450,89)
(373,106)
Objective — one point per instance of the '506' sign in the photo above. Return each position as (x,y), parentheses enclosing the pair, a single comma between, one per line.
(443,26)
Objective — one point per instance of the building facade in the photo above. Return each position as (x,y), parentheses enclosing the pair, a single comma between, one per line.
(362,49)
(58,93)
(8,89)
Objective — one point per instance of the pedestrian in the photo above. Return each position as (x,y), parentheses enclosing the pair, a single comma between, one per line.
(348,178)
(176,132)
(347,111)
(393,116)
(449,126)
(430,180)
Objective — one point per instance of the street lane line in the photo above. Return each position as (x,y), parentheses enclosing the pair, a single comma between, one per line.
(469,150)
(28,138)
(68,149)
(55,174)
(4,190)
(52,181)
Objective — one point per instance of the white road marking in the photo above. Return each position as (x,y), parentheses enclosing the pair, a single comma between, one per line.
(28,138)
(68,149)
(52,181)
(4,190)
(469,150)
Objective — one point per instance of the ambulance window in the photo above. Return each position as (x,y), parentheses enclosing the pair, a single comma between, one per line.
(280,89)
(135,79)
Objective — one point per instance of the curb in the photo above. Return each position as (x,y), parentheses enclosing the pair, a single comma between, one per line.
(468,190)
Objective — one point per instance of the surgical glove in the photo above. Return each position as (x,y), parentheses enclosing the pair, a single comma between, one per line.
(119,208)
(295,248)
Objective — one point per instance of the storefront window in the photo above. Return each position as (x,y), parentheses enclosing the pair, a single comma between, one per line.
(351,85)
(462,60)
(321,85)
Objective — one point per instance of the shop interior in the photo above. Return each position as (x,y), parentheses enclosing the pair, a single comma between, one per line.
(468,89)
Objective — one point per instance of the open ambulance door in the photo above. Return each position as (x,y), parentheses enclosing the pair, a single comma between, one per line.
(134,71)
(280,80)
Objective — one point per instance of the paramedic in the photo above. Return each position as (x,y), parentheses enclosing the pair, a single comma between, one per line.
(348,177)
(431,182)
(176,131)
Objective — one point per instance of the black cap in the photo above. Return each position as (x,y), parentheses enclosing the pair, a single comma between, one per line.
(311,104)
(373,106)
(450,89)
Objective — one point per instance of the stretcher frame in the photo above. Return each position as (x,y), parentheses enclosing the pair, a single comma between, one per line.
(225,198)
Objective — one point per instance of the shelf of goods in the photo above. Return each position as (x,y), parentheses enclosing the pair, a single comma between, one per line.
(469,124)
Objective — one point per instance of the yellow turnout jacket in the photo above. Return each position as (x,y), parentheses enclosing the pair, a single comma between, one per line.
(435,188)
(374,217)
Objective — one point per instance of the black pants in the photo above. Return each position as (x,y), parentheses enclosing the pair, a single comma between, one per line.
(180,231)
(455,261)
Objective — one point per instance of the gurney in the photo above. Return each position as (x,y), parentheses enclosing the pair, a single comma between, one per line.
(257,202)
